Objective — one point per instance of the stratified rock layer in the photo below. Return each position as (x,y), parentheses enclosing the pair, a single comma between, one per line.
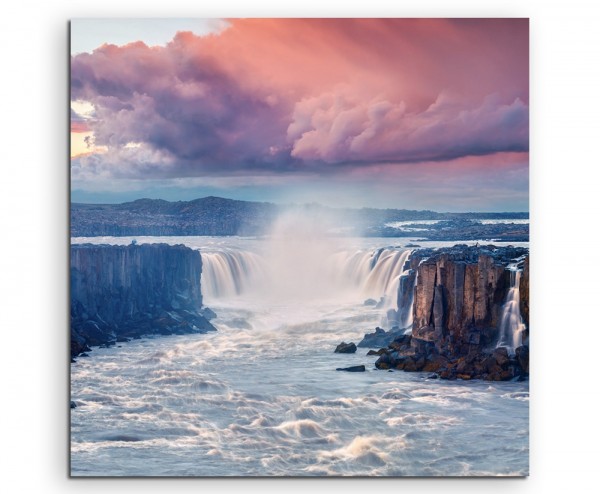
(120,292)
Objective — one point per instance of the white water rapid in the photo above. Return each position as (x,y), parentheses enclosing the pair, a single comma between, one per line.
(261,396)
(231,272)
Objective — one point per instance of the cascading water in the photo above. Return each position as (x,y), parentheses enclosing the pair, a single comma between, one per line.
(372,274)
(406,293)
(386,269)
(358,275)
(511,322)
(385,275)
(231,272)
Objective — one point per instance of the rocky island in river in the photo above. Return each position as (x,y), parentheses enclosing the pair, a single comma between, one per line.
(470,315)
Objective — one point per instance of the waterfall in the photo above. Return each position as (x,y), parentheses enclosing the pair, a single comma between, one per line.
(370,274)
(511,323)
(359,275)
(387,276)
(382,275)
(406,295)
(230,272)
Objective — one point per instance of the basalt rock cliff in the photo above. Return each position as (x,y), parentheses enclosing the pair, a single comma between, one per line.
(122,292)
(459,297)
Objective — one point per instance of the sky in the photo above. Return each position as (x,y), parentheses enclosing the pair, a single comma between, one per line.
(387,113)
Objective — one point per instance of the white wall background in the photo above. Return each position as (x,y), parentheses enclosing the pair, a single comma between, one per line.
(565,130)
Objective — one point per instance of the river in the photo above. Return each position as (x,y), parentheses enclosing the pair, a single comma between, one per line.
(261,396)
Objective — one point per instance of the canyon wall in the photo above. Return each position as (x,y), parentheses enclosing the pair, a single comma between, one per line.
(459,302)
(122,292)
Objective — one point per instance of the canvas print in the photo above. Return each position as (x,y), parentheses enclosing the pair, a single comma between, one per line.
(299,247)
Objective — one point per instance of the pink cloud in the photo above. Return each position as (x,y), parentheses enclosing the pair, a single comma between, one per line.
(286,95)
(334,128)
(78,123)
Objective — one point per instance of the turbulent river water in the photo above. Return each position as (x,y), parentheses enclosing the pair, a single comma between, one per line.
(261,396)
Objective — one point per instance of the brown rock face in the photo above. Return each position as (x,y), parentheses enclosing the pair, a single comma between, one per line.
(458,304)
(457,310)
(424,292)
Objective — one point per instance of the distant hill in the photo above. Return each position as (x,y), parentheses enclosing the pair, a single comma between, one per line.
(206,216)
(221,217)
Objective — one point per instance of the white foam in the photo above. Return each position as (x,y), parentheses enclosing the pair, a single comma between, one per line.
(301,428)
(366,450)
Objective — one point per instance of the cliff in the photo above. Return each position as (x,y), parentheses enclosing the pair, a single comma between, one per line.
(458,303)
(121,292)
(459,299)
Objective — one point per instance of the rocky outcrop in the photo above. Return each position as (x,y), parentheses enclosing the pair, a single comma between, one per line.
(490,365)
(354,368)
(344,347)
(459,297)
(379,338)
(121,292)
(458,301)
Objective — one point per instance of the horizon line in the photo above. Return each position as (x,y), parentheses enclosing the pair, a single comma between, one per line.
(293,204)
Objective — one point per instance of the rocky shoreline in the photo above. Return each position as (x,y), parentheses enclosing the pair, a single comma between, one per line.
(489,365)
(459,304)
(120,293)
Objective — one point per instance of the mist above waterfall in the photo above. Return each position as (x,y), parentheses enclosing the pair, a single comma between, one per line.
(304,262)
(298,251)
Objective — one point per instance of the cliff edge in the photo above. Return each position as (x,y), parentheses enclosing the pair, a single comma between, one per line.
(123,292)
(470,315)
